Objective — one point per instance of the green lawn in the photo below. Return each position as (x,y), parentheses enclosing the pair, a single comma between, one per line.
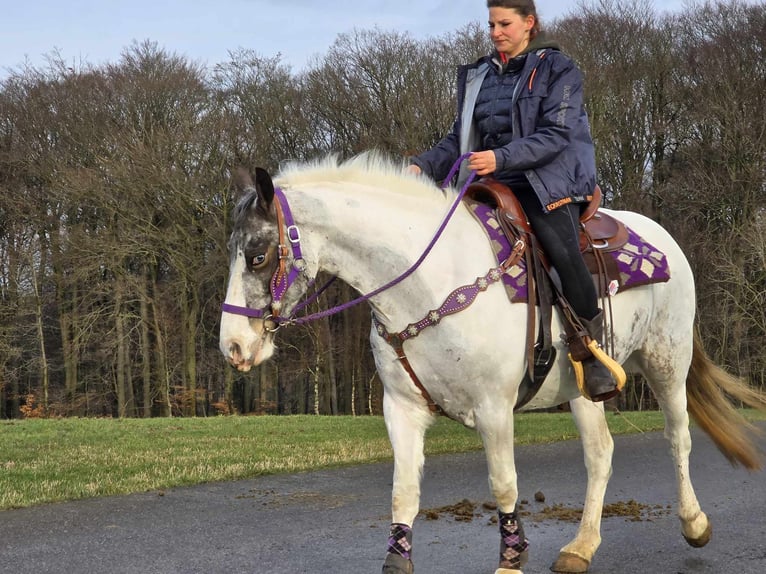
(44,461)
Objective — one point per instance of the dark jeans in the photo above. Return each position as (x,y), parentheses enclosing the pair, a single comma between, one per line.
(558,235)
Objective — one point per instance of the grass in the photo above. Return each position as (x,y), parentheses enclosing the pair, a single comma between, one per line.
(44,461)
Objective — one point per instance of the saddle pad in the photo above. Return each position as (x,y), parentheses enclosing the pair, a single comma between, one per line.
(636,263)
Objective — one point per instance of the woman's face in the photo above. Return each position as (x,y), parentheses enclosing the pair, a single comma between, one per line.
(509,31)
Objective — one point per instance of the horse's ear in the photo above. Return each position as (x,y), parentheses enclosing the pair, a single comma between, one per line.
(243,181)
(264,185)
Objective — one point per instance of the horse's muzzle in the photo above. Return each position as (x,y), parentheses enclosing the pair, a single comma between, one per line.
(238,359)
(249,350)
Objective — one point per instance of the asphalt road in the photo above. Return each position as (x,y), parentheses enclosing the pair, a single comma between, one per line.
(336,521)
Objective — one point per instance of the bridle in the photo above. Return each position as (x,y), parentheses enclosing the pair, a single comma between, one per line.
(285,276)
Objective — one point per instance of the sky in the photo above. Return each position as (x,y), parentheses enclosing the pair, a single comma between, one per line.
(97,32)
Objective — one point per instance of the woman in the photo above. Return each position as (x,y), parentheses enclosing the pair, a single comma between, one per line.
(521,114)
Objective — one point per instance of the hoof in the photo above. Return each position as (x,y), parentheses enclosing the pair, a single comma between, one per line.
(507,571)
(570,563)
(702,540)
(396,564)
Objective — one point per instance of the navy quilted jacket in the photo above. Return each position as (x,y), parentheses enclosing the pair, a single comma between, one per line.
(550,141)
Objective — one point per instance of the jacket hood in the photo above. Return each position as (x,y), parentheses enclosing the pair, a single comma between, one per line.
(540,42)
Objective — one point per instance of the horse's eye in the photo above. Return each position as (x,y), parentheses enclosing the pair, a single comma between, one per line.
(256,261)
(259,259)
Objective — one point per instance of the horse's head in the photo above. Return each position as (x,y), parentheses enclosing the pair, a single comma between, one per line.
(258,273)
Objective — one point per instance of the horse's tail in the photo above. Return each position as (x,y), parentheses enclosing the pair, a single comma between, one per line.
(707,387)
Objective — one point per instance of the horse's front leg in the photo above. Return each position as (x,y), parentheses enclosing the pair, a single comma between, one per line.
(496,428)
(406,422)
(598,447)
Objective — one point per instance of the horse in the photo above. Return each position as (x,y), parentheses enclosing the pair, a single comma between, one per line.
(403,243)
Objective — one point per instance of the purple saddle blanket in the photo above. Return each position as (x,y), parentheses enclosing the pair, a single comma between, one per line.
(636,263)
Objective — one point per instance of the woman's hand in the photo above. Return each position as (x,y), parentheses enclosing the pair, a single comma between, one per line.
(413,169)
(482,162)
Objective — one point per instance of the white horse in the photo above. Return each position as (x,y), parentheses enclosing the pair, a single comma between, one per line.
(367,222)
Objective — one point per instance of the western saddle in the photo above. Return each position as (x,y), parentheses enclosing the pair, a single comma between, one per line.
(598,230)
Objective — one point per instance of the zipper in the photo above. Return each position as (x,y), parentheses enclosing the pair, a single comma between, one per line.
(534,71)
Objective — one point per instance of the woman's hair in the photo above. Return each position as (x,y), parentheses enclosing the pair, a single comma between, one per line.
(522,7)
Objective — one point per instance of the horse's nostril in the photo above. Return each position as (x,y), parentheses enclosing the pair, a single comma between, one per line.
(234,351)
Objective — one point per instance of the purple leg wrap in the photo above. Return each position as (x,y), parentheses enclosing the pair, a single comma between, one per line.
(400,541)
(513,543)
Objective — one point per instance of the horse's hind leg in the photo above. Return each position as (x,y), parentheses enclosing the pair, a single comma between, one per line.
(598,447)
(695,525)
(406,422)
(666,374)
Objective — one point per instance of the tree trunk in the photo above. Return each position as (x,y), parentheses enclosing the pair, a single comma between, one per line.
(119,378)
(228,379)
(190,307)
(326,371)
(163,373)
(68,348)
(146,351)
(44,370)
(66,304)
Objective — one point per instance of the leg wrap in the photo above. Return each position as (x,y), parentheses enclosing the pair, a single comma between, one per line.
(400,541)
(513,543)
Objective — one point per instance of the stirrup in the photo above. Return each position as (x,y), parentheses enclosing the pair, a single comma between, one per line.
(616,370)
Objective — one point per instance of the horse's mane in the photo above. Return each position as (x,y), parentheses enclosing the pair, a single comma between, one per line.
(369,168)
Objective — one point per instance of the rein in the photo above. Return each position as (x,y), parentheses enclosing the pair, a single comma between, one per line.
(283,279)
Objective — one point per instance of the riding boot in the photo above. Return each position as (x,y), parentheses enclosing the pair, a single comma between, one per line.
(599,382)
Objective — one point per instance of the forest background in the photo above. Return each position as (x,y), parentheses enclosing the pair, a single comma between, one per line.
(115,199)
